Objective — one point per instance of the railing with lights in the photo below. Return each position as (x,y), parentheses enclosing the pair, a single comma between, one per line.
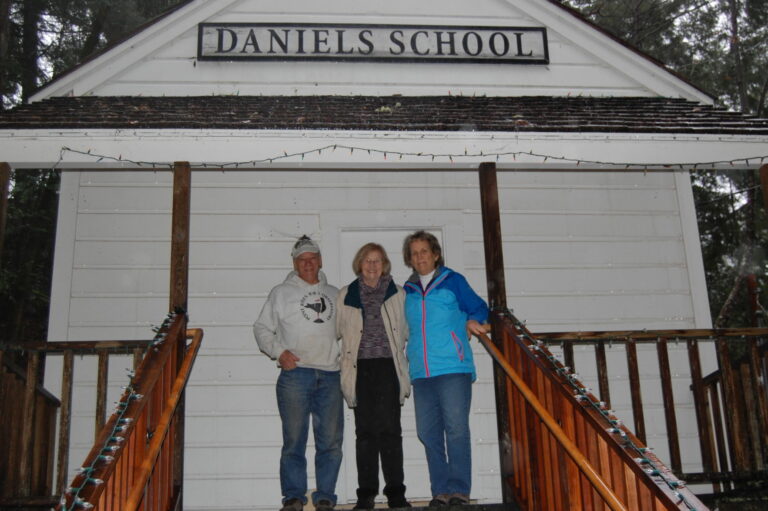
(567,450)
(132,462)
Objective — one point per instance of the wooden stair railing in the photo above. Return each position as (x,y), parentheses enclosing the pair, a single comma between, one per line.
(730,405)
(131,463)
(567,450)
(27,434)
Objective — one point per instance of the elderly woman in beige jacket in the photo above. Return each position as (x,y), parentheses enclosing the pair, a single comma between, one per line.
(374,373)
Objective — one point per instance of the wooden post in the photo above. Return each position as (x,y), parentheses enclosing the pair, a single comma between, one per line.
(65,423)
(634,389)
(25,462)
(497,298)
(5,186)
(180,235)
(602,373)
(102,379)
(669,405)
(179,291)
(764,184)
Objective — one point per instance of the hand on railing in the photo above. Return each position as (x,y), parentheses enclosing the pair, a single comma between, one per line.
(474,327)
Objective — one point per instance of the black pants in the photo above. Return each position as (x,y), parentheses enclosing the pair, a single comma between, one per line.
(377,426)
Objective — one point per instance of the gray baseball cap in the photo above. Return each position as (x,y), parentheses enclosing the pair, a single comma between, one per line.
(305,244)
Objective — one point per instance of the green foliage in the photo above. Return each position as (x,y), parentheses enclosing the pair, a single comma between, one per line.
(27,258)
(719,45)
(66,33)
(734,233)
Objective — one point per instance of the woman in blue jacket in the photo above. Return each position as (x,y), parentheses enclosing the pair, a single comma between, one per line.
(442,312)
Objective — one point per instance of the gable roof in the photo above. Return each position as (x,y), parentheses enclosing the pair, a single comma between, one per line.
(577,16)
(160,59)
(397,113)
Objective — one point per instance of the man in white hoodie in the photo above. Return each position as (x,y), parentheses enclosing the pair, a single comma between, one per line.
(297,327)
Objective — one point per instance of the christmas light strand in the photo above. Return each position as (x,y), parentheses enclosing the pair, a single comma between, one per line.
(388,154)
(582,394)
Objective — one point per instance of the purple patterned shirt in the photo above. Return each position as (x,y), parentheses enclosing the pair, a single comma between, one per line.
(374,342)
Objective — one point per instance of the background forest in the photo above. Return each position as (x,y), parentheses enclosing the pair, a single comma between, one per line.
(721,46)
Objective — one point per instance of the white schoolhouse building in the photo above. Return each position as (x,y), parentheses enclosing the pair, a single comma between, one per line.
(355,121)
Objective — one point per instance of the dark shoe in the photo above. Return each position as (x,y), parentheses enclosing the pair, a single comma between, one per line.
(365,503)
(439,501)
(292,505)
(458,499)
(396,496)
(398,503)
(324,505)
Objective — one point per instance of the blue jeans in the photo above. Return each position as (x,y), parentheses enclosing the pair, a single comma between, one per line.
(302,393)
(442,423)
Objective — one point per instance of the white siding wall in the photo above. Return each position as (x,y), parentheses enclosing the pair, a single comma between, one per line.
(582,251)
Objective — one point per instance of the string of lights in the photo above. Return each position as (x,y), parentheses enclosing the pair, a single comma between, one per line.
(72,500)
(584,395)
(387,154)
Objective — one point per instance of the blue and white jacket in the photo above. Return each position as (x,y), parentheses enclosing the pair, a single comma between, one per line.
(437,318)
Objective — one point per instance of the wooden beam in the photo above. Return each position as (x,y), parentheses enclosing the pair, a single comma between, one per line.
(497,298)
(102,379)
(635,391)
(179,291)
(182,180)
(764,184)
(28,414)
(5,187)
(494,255)
(62,466)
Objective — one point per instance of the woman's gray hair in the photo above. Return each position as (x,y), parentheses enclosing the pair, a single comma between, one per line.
(422,235)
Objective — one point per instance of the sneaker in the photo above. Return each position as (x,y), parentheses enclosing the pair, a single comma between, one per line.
(458,499)
(292,505)
(366,503)
(324,505)
(439,501)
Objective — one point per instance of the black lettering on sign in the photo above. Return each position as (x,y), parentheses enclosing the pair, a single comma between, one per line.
(365,42)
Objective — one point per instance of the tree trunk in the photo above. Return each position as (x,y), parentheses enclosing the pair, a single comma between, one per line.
(91,43)
(725,312)
(751,234)
(30,42)
(5,38)
(734,9)
(761,106)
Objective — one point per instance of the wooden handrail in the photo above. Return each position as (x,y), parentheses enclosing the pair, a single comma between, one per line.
(164,423)
(651,335)
(68,351)
(568,451)
(573,451)
(730,403)
(111,470)
(78,347)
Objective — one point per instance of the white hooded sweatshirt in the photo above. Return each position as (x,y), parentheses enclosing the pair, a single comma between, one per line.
(301,318)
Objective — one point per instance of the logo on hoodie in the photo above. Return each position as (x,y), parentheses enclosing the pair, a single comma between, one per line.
(317,307)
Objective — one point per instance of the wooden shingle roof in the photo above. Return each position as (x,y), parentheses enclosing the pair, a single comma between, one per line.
(392,113)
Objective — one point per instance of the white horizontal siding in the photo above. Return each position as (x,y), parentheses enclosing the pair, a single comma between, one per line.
(189,77)
(601,250)
(173,68)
